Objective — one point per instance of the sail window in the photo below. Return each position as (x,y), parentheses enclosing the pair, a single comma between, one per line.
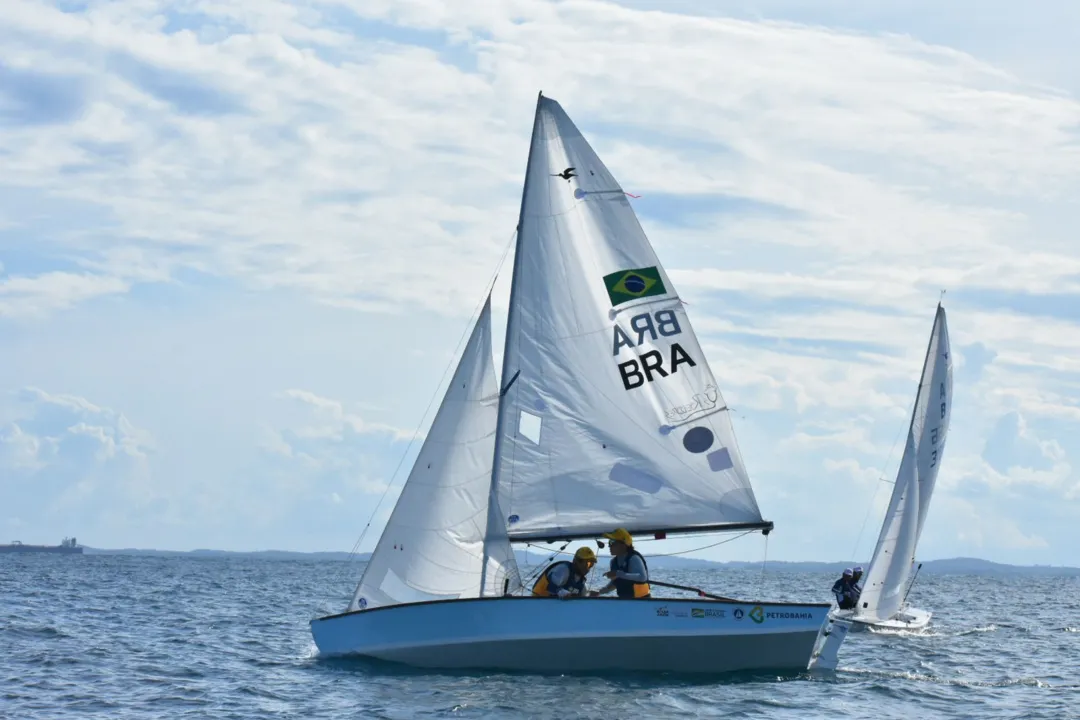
(529,426)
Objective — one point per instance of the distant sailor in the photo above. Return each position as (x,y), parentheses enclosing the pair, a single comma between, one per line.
(629,574)
(843,591)
(566,578)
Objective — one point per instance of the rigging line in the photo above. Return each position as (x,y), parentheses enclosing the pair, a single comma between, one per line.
(535,570)
(490,286)
(560,551)
(764,561)
(877,488)
(539,568)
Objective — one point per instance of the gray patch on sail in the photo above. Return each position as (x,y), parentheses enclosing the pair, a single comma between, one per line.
(720,460)
(637,479)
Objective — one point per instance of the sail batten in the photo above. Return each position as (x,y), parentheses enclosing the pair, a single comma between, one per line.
(610,415)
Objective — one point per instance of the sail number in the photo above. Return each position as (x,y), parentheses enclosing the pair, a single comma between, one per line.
(934,431)
(649,366)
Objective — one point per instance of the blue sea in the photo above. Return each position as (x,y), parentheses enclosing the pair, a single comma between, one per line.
(181,637)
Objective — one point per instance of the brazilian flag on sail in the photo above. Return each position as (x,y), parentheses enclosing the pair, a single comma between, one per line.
(626,285)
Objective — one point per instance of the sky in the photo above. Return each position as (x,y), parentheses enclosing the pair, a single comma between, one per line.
(241,241)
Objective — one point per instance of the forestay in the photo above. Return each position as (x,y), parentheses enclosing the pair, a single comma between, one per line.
(890,568)
(611,415)
(433,544)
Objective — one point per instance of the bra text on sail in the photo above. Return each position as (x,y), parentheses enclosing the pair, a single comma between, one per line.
(647,367)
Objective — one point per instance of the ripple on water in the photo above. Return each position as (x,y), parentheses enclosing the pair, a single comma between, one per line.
(113,636)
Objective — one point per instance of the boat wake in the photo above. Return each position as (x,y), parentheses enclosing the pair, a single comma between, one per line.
(899,632)
(956,682)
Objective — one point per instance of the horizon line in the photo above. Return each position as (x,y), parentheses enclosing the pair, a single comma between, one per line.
(535,552)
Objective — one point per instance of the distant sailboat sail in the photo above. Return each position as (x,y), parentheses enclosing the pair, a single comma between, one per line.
(434,541)
(890,568)
(611,416)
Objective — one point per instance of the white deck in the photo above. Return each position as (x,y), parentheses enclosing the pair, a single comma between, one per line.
(593,634)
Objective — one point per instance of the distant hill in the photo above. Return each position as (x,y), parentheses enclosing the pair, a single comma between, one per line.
(949,566)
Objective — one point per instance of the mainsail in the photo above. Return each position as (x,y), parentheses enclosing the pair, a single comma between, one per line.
(435,543)
(610,415)
(890,567)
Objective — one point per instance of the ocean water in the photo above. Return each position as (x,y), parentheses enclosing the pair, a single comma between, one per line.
(143,637)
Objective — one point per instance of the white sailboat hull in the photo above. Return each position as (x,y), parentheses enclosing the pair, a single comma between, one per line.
(906,619)
(588,634)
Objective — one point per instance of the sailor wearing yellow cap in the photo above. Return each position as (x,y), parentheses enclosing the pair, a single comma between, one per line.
(629,574)
(565,578)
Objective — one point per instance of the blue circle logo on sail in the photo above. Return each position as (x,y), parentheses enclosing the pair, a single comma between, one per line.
(698,440)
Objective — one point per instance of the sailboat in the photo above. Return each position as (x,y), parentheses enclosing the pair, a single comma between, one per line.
(883,602)
(608,416)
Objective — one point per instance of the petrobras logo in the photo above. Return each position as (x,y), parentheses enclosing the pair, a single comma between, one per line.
(789,615)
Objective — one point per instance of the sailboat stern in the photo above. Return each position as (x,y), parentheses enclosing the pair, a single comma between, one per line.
(826,654)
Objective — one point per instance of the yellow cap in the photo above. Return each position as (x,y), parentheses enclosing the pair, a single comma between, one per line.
(585,553)
(620,535)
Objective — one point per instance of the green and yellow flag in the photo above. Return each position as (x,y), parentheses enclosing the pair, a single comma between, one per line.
(626,285)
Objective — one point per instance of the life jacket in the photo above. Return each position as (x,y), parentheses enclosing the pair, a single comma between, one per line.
(629,588)
(545,588)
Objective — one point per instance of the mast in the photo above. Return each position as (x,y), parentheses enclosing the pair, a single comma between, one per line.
(493,493)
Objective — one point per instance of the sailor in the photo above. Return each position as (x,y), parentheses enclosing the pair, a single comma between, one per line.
(629,574)
(566,578)
(856,578)
(842,591)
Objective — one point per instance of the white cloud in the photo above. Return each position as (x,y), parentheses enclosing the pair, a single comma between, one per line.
(60,420)
(67,461)
(40,295)
(335,420)
(22,451)
(983,531)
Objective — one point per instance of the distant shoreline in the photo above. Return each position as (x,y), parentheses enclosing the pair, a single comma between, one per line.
(947,566)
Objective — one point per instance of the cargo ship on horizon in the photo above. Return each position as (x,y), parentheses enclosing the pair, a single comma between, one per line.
(67,546)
